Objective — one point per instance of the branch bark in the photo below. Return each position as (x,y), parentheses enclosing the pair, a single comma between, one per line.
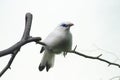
(96,58)
(26,38)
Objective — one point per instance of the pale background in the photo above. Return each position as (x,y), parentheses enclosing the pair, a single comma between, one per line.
(97,25)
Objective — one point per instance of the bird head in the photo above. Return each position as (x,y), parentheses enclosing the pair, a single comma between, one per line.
(66,25)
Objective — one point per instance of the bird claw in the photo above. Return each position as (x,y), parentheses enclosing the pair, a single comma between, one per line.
(64,54)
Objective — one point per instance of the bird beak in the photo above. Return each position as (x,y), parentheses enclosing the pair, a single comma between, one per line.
(71,24)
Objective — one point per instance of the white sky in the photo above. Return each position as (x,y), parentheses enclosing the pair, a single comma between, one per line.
(97,24)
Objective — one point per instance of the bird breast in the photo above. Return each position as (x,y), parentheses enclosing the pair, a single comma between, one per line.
(59,41)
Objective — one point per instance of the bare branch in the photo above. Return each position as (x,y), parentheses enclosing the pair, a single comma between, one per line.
(86,56)
(41,43)
(13,50)
(28,22)
(18,45)
(26,38)
(97,58)
(9,63)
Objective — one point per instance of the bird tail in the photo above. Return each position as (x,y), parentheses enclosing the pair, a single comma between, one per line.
(47,61)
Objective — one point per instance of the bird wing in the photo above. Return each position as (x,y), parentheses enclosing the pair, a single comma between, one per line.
(58,41)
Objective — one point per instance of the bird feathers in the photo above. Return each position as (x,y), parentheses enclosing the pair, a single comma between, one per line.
(60,40)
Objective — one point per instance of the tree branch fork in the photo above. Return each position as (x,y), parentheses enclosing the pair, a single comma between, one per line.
(26,38)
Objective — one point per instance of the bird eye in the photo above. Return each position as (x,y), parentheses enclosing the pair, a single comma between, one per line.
(64,25)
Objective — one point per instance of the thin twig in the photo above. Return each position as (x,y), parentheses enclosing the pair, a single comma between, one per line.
(97,58)
(9,63)
(116,77)
(75,48)
(41,43)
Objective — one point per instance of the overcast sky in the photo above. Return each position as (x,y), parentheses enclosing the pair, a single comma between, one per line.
(96,31)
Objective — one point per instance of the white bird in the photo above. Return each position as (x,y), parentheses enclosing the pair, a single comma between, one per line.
(60,40)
